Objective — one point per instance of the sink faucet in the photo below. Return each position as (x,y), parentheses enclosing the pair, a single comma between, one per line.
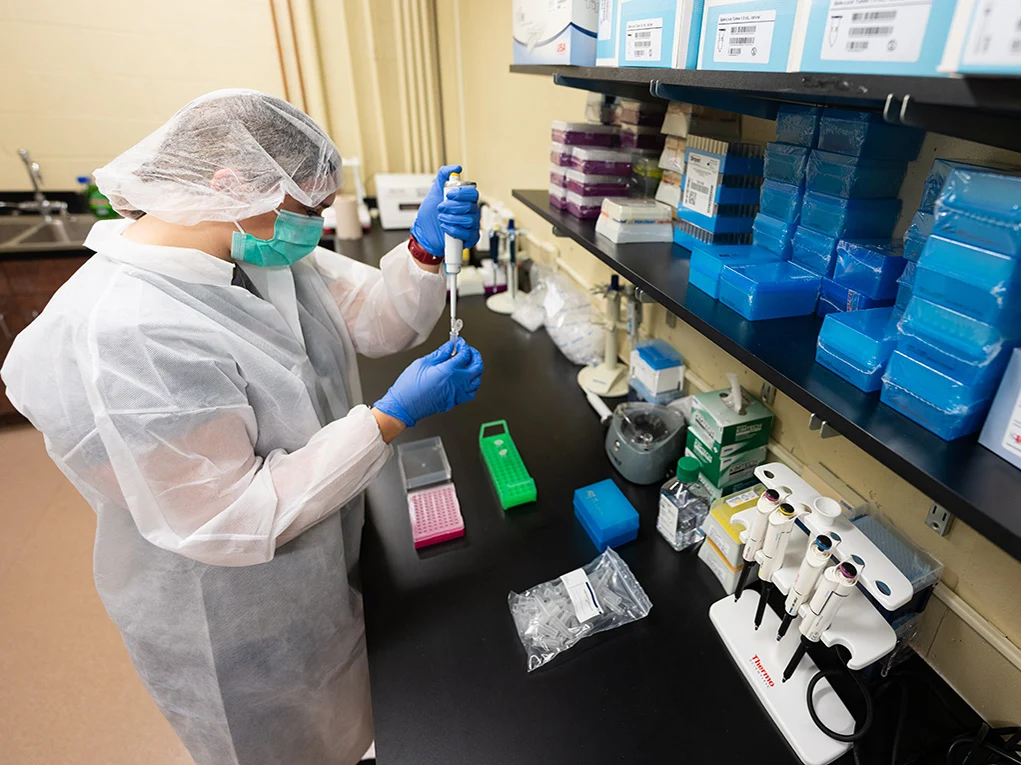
(40,204)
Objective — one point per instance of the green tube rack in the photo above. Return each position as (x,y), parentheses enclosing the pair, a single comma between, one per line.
(514,486)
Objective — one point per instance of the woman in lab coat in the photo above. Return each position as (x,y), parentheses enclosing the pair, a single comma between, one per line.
(196,381)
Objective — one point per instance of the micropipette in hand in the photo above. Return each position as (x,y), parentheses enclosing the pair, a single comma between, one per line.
(452,255)
(756,533)
(774,547)
(817,555)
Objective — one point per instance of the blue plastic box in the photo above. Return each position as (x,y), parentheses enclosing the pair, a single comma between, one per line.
(781,200)
(940,171)
(797,124)
(835,297)
(814,250)
(769,290)
(737,158)
(866,134)
(916,235)
(983,209)
(729,219)
(956,345)
(905,285)
(773,234)
(871,268)
(868,380)
(933,386)
(638,392)
(850,218)
(690,236)
(854,177)
(979,283)
(857,345)
(605,514)
(948,425)
(786,162)
(708,262)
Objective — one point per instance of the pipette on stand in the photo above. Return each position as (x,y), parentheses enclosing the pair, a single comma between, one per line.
(835,585)
(452,261)
(774,547)
(817,555)
(767,503)
(512,273)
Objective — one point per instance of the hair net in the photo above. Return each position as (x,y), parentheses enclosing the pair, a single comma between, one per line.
(226,156)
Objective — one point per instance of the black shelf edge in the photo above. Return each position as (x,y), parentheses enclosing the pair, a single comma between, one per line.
(962,476)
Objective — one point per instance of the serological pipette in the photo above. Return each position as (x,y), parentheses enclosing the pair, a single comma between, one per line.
(835,586)
(774,547)
(767,503)
(817,555)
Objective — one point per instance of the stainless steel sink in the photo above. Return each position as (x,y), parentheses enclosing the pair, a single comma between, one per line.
(38,233)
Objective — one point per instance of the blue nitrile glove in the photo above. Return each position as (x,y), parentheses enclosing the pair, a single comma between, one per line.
(457,214)
(434,383)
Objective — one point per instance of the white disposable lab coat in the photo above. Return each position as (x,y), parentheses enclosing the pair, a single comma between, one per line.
(216,448)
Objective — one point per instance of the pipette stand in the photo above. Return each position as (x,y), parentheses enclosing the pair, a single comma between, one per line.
(505,302)
(857,626)
(609,377)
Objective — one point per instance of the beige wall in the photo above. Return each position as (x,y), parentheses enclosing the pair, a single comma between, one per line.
(507,135)
(82,81)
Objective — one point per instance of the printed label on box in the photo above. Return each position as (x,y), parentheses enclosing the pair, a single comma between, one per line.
(700,183)
(583,597)
(739,499)
(1012,433)
(667,520)
(875,30)
(605,25)
(995,37)
(644,40)
(744,37)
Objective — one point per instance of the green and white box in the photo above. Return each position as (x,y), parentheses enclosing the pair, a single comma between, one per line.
(724,427)
(728,466)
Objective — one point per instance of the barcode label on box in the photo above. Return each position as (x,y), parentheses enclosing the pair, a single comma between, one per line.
(875,30)
(744,37)
(583,597)
(643,40)
(995,36)
(700,181)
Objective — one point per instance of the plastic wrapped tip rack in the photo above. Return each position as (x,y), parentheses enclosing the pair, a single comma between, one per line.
(553,616)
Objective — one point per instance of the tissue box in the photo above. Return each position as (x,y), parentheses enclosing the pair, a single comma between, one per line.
(749,35)
(814,250)
(773,234)
(981,209)
(871,268)
(786,162)
(866,134)
(797,124)
(722,469)
(716,492)
(708,261)
(769,290)
(725,573)
(605,514)
(849,218)
(659,33)
(781,200)
(979,283)
(725,535)
(864,37)
(723,427)
(983,38)
(561,33)
(657,366)
(854,177)
(1001,433)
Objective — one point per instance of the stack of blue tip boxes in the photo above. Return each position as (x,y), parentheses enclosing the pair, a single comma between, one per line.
(964,315)
(720,195)
(853,167)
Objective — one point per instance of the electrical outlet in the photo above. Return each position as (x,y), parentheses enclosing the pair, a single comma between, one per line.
(939,519)
(767,394)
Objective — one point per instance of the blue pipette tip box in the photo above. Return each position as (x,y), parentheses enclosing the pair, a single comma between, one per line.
(605,514)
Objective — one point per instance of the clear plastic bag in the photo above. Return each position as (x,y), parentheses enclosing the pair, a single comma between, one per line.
(553,616)
(568,311)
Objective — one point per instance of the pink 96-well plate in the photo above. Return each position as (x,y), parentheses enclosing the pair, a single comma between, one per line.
(435,515)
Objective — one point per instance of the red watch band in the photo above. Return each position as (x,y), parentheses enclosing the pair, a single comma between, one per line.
(419,253)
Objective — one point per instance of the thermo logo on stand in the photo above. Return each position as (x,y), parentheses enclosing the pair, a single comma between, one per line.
(762,671)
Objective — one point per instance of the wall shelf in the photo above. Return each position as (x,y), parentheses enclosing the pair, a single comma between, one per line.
(992,104)
(964,477)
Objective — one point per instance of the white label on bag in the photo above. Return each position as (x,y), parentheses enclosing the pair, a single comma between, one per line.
(744,37)
(1012,433)
(700,183)
(995,37)
(875,30)
(605,18)
(583,597)
(643,40)
(667,520)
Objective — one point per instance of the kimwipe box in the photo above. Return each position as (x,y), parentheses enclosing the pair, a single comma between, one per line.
(724,427)
(723,469)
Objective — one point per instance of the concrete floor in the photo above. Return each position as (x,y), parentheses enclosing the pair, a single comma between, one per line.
(68,693)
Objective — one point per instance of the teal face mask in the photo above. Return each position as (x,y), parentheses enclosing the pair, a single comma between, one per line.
(294,236)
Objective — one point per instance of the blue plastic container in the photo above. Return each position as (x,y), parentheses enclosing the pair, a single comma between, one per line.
(857,345)
(948,425)
(769,290)
(929,384)
(917,234)
(940,171)
(605,514)
(871,268)
(866,134)
(905,285)
(979,283)
(708,261)
(983,209)
(737,158)
(814,250)
(798,124)
(729,219)
(834,297)
(737,195)
(786,162)
(850,218)
(690,236)
(638,392)
(781,200)
(854,177)
(773,234)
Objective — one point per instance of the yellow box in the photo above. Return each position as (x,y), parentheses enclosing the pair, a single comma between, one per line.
(726,536)
(722,570)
